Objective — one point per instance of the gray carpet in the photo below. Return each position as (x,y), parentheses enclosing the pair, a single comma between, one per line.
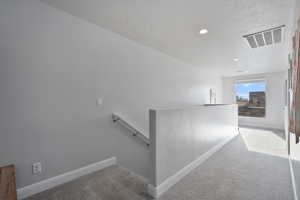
(112,183)
(251,167)
(259,171)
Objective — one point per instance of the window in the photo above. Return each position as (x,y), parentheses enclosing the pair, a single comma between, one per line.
(251,98)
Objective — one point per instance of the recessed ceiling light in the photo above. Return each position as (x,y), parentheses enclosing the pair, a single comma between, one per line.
(235,59)
(203,31)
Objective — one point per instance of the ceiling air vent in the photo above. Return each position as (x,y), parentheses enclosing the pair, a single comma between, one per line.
(266,37)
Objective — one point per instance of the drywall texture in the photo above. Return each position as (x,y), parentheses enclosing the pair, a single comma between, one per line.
(173,27)
(55,66)
(187,133)
(275,99)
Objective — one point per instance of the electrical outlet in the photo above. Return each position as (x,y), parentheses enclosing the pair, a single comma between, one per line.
(37,168)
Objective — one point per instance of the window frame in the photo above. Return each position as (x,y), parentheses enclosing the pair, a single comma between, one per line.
(254,80)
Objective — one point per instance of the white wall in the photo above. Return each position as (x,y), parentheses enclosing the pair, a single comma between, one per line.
(275,99)
(188,133)
(53,68)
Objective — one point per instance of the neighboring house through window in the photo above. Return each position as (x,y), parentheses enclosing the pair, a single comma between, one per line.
(251,98)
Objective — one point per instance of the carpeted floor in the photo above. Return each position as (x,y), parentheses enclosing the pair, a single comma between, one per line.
(253,166)
(112,183)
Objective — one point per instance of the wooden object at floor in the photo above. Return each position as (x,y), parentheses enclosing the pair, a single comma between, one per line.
(8,183)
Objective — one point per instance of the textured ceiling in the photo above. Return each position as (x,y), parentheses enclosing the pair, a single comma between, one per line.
(172,26)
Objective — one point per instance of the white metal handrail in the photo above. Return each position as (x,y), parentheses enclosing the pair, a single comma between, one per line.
(135,132)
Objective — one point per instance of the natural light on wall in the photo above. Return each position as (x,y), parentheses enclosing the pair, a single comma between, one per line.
(251,98)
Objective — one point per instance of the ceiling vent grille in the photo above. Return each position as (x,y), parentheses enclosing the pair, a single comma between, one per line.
(266,37)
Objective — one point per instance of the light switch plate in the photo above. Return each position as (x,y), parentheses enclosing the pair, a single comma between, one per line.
(99,102)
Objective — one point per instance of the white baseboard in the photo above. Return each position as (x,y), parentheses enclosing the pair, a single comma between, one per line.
(293,179)
(63,178)
(156,192)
